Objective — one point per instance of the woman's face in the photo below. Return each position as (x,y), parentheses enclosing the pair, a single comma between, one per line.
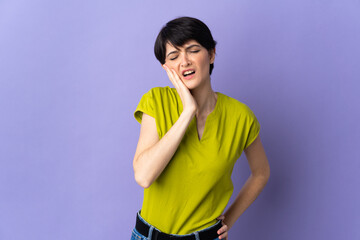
(190,61)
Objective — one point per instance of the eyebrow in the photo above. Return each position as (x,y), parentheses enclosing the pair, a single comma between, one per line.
(193,45)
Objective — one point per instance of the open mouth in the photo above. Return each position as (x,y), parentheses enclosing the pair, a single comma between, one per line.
(188,73)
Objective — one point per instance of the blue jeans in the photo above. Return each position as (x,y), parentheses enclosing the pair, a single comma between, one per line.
(135,235)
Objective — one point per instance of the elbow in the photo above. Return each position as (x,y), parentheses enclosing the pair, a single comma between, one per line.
(263,174)
(142,181)
(141,177)
(266,174)
(141,174)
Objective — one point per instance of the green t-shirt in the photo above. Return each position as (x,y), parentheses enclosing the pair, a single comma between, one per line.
(195,187)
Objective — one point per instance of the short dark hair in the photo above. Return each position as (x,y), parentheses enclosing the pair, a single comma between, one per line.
(179,31)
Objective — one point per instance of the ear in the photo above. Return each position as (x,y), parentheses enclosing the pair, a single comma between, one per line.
(212,55)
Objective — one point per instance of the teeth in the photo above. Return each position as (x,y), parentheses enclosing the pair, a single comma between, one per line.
(188,72)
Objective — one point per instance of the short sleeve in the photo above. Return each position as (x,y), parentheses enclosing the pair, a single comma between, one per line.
(254,129)
(146,105)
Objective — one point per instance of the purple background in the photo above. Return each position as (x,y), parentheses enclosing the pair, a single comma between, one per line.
(72,73)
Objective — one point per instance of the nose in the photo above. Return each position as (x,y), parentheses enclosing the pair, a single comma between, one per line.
(185,61)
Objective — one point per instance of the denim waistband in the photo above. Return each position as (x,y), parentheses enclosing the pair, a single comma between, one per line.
(196,234)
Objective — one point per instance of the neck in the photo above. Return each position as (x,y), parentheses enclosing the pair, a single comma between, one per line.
(205,98)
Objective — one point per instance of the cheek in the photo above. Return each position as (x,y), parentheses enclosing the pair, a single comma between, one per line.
(204,61)
(171,64)
(205,65)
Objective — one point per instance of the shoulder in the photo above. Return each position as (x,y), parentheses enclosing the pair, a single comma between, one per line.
(161,92)
(235,106)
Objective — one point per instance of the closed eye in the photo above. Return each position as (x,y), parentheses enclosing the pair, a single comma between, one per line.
(195,51)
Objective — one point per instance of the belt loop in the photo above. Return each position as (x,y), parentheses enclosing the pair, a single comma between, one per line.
(197,236)
(150,233)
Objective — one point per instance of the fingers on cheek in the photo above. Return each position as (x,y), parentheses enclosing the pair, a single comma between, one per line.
(174,72)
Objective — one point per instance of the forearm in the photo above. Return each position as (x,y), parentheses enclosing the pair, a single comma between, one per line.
(247,195)
(151,162)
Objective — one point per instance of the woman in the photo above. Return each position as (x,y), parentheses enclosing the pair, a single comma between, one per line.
(190,139)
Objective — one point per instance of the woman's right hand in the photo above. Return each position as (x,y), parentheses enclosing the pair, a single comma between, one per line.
(188,101)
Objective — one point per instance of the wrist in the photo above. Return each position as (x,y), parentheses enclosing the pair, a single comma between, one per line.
(189,113)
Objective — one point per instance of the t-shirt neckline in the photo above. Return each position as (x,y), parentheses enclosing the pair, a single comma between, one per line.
(209,120)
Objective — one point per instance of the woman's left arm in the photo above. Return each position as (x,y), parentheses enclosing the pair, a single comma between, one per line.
(260,173)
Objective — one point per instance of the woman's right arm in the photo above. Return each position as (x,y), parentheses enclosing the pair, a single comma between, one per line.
(152,155)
